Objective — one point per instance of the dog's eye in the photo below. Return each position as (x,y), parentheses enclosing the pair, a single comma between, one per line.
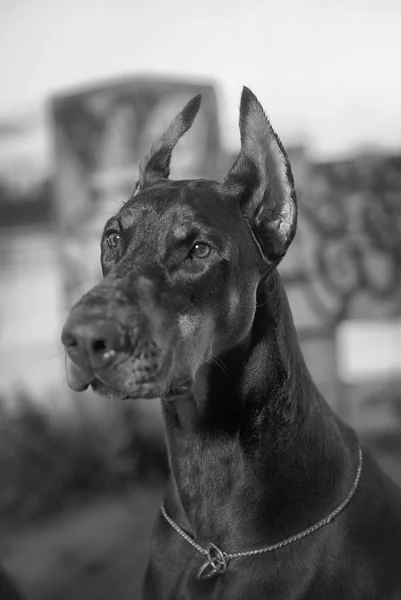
(112,239)
(200,250)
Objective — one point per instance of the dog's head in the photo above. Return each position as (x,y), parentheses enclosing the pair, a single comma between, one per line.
(182,261)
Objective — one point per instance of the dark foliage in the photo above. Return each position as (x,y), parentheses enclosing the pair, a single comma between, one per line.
(47,463)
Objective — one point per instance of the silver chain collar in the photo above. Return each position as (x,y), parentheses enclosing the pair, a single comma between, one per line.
(217,561)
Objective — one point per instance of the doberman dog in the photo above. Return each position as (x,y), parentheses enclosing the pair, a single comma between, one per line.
(270,495)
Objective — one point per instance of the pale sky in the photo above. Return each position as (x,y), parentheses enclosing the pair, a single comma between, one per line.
(326,71)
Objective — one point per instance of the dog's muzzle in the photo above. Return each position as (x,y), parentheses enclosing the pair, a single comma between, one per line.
(116,360)
(92,345)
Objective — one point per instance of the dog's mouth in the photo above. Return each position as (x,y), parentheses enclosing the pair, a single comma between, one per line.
(146,391)
(113,385)
(78,378)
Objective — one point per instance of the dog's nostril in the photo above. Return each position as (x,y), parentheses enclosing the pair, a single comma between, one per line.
(69,340)
(99,346)
(101,353)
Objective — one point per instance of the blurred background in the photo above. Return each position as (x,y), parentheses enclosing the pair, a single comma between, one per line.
(86,87)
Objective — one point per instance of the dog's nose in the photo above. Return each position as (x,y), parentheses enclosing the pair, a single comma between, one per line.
(93,344)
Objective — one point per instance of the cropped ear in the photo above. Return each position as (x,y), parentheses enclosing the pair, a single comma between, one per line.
(156,165)
(262,177)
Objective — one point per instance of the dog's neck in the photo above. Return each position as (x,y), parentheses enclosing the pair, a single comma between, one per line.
(255,452)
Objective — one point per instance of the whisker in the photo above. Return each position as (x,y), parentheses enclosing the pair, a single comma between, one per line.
(251,305)
(220,364)
(262,304)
